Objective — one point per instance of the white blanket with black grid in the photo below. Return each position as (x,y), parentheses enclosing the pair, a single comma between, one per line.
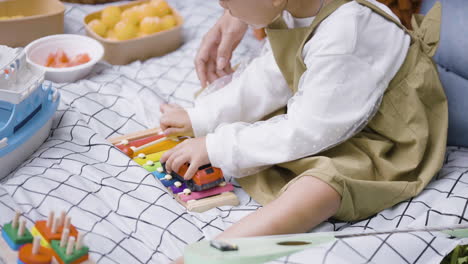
(129,217)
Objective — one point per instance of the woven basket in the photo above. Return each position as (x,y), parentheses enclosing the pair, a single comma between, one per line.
(90,2)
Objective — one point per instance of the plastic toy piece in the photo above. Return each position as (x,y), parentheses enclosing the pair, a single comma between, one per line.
(27,109)
(15,233)
(142,158)
(135,136)
(206,193)
(205,178)
(223,246)
(34,253)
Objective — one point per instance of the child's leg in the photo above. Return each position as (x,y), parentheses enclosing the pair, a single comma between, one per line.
(304,205)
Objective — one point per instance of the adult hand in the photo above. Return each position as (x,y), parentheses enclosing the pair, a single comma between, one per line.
(175,121)
(215,52)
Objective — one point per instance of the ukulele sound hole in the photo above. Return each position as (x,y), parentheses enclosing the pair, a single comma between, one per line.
(293,243)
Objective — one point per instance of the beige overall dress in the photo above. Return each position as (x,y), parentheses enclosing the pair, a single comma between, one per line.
(399,151)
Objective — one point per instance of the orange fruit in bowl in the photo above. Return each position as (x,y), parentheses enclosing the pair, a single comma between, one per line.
(162,7)
(150,25)
(125,30)
(168,22)
(98,27)
(110,15)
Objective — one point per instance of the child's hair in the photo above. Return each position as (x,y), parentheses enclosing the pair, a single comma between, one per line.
(404,9)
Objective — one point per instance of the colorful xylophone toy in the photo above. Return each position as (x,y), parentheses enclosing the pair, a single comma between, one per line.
(206,190)
(53,241)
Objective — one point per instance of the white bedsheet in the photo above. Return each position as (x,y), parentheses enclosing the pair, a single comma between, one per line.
(129,217)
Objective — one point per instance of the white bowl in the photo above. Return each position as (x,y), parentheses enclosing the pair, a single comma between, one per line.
(38,51)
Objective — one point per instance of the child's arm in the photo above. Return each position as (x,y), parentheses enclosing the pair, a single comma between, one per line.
(338,94)
(258,91)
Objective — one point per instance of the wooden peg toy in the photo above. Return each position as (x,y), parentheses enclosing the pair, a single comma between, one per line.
(54,232)
(34,253)
(15,233)
(70,250)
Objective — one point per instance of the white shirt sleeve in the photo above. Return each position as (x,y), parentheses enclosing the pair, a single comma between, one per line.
(345,80)
(258,91)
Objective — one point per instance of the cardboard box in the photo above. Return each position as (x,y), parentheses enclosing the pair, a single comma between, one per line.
(126,51)
(41,18)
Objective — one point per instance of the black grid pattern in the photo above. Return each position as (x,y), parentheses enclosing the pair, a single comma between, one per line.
(129,217)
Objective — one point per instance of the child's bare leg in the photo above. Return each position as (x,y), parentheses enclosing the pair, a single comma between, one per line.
(304,205)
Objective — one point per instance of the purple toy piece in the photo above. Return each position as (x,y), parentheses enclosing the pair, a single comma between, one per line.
(176,189)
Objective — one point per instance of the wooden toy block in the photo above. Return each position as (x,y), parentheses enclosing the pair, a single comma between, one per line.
(138,142)
(14,238)
(151,166)
(206,193)
(136,135)
(34,253)
(202,205)
(75,255)
(141,159)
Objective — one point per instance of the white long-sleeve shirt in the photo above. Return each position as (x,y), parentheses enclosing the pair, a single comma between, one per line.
(350,60)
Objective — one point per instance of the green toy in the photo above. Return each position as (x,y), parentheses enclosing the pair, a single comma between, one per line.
(262,249)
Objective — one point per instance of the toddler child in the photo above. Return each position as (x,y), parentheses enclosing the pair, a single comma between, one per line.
(342,116)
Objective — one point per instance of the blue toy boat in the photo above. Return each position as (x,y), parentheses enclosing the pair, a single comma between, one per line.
(27,108)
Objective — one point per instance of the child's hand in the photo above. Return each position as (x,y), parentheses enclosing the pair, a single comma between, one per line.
(175,121)
(191,151)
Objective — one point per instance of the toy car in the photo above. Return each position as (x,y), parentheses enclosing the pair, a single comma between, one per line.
(205,178)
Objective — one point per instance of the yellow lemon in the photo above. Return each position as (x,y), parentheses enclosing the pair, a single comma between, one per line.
(150,25)
(110,15)
(168,22)
(131,15)
(125,30)
(162,8)
(98,27)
